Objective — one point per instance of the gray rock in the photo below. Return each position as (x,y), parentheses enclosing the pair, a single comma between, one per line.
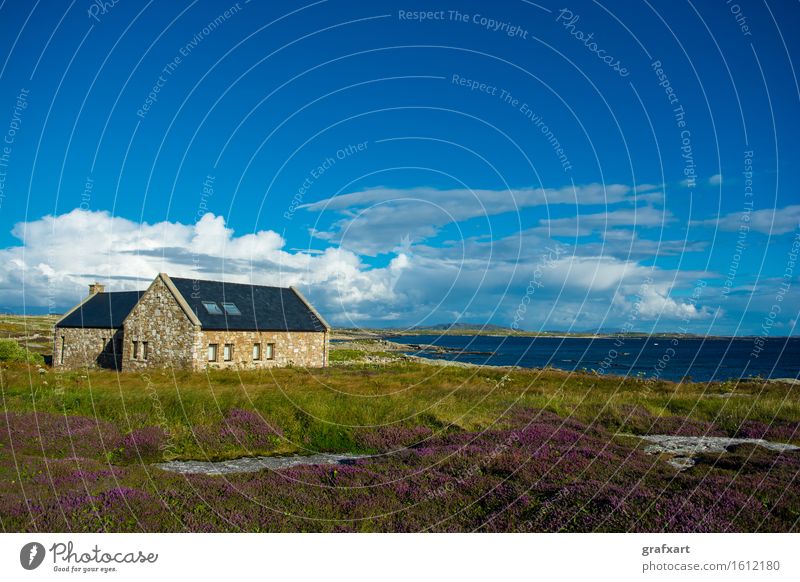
(252,464)
(793,381)
(685,448)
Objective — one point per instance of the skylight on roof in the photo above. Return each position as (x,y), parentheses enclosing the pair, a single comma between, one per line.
(231,309)
(212,307)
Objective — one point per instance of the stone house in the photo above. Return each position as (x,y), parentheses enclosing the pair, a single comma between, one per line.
(193,324)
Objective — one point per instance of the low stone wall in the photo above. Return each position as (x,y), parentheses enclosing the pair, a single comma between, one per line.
(86,348)
(296,348)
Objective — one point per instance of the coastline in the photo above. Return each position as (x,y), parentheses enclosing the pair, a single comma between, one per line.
(647,365)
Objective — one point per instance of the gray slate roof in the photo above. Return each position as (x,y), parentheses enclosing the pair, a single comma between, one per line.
(262,308)
(104,310)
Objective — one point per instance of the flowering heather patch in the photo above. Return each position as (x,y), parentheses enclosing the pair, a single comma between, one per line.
(637,420)
(391,438)
(62,474)
(241,429)
(143,443)
(681,426)
(57,435)
(115,509)
(783,432)
(543,477)
(534,471)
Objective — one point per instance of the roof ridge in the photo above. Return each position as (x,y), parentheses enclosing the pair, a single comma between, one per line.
(228,282)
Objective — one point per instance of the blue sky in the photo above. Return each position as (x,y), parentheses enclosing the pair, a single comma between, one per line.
(514,162)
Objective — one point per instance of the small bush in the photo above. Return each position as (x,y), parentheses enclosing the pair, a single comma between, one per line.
(11,351)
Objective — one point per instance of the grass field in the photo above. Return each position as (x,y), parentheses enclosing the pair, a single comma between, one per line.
(325,409)
(466,449)
(33,332)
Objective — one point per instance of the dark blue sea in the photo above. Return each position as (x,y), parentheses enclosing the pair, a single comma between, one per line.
(700,360)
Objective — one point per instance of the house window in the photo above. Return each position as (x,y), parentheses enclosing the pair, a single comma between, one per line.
(256,352)
(63,345)
(231,309)
(212,352)
(146,349)
(212,308)
(270,352)
(135,350)
(227,352)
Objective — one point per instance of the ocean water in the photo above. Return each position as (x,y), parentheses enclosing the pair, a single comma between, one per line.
(701,360)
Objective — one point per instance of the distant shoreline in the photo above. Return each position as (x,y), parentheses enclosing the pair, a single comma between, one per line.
(46,321)
(368,333)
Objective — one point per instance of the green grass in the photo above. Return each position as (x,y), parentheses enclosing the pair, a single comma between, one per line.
(325,409)
(34,332)
(345,355)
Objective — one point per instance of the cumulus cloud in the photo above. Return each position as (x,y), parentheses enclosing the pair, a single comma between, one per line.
(655,303)
(61,254)
(766,221)
(586,293)
(472,278)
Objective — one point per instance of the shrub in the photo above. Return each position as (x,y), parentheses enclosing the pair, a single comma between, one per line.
(11,351)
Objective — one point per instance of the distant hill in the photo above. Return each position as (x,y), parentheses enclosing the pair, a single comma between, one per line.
(464,327)
(486,329)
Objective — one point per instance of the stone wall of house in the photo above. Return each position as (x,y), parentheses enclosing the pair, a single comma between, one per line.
(160,321)
(173,340)
(296,348)
(87,348)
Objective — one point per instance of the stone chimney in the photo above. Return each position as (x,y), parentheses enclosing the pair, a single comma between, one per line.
(96,288)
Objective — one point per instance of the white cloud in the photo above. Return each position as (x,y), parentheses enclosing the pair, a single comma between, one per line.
(648,187)
(766,221)
(655,303)
(586,224)
(482,279)
(715,180)
(374,220)
(62,254)
(624,243)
